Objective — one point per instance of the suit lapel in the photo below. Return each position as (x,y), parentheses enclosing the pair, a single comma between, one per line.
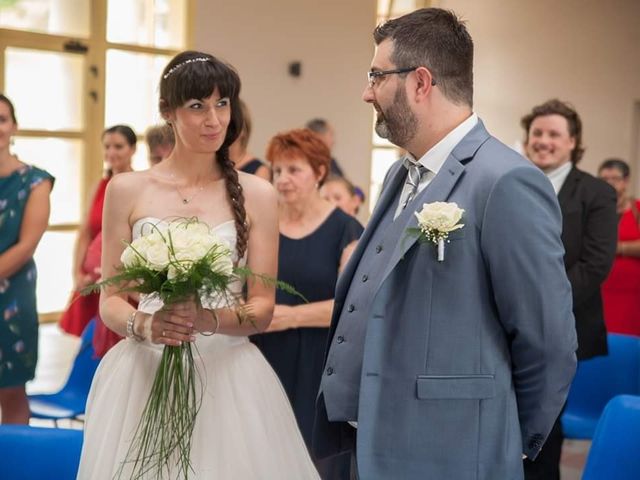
(397,173)
(438,190)
(568,188)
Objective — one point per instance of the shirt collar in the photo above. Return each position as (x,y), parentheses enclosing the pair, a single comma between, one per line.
(437,155)
(558,175)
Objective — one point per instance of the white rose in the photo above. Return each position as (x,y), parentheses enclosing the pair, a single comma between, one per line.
(440,216)
(135,253)
(130,258)
(156,252)
(173,272)
(223,264)
(191,241)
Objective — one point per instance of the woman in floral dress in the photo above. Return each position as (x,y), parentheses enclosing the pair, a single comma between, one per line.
(24,215)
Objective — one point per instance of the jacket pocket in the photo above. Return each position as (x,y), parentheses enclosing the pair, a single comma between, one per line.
(441,387)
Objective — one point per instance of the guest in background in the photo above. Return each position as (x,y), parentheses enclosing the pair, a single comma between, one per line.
(160,141)
(621,290)
(24,215)
(553,142)
(326,133)
(244,160)
(316,240)
(341,192)
(119,144)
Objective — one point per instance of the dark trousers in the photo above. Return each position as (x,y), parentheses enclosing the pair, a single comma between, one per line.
(547,464)
(354,466)
(337,467)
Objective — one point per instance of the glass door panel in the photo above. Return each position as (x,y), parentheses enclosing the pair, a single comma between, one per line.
(53,104)
(141,157)
(62,158)
(156,23)
(132,88)
(382,159)
(61,17)
(53,258)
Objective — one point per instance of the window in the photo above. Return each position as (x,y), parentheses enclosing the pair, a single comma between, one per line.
(69,76)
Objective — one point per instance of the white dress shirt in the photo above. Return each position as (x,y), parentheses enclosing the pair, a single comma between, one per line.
(436,155)
(557,176)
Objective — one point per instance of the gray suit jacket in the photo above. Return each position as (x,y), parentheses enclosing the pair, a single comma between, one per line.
(467,362)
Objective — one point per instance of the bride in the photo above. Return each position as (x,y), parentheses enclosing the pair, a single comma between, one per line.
(245,428)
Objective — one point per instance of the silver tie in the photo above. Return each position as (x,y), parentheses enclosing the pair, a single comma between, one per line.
(416,172)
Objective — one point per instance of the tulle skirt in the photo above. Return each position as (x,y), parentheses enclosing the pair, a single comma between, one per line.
(245,428)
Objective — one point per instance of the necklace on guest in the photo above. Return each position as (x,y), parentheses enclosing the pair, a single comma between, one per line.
(187,200)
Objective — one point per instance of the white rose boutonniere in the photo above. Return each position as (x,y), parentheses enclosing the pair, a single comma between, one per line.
(435,221)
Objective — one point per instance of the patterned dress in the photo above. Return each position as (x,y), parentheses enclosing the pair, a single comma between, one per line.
(19,315)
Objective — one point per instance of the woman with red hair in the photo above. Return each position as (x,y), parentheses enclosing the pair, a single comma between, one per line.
(316,240)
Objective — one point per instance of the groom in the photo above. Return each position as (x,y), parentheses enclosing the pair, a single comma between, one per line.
(447,363)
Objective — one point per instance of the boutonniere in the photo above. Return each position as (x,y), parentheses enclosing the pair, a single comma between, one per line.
(435,221)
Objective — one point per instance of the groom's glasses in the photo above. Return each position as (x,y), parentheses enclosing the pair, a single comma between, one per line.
(373,75)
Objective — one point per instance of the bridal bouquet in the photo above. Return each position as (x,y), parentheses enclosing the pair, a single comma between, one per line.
(175,261)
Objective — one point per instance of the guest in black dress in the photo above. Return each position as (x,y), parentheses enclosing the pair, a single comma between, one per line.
(316,240)
(244,160)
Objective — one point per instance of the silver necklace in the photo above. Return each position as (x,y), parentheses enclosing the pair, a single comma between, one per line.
(187,200)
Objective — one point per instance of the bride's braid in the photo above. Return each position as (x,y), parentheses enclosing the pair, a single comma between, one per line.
(236,198)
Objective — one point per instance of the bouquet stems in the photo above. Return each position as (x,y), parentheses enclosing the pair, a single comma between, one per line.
(161,445)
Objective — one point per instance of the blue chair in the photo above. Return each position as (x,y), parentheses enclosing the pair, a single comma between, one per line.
(71,400)
(36,453)
(615,451)
(597,381)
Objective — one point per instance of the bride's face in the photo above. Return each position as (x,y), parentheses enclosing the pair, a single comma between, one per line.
(201,124)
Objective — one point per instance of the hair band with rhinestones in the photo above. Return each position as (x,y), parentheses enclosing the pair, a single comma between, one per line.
(182,64)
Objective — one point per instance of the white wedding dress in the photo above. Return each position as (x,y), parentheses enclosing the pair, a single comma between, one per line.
(245,428)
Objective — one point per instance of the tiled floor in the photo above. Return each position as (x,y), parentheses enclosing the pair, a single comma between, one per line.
(58,349)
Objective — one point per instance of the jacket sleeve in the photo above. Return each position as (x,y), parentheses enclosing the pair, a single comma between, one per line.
(523,251)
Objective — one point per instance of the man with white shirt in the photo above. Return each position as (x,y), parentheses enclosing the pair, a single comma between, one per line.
(553,143)
(447,360)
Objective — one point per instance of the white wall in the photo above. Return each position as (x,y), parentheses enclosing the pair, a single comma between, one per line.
(332,39)
(527,51)
(583,51)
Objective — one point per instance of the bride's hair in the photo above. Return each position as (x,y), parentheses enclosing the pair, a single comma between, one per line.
(196,75)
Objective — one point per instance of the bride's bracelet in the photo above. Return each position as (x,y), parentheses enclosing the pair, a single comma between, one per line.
(215,319)
(130,324)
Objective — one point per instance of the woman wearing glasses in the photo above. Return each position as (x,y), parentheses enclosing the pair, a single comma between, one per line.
(621,290)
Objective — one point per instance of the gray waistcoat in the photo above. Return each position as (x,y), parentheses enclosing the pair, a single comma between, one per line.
(341,377)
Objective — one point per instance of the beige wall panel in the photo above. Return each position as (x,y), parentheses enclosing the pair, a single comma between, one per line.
(332,39)
(584,51)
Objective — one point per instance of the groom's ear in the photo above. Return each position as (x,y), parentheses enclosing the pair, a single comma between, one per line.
(424,83)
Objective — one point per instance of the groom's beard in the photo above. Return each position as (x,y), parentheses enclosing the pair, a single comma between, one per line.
(398,123)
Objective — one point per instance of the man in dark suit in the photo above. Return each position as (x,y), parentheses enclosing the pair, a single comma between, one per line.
(589,230)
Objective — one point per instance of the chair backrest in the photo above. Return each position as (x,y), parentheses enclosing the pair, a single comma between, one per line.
(599,379)
(615,451)
(35,453)
(85,363)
